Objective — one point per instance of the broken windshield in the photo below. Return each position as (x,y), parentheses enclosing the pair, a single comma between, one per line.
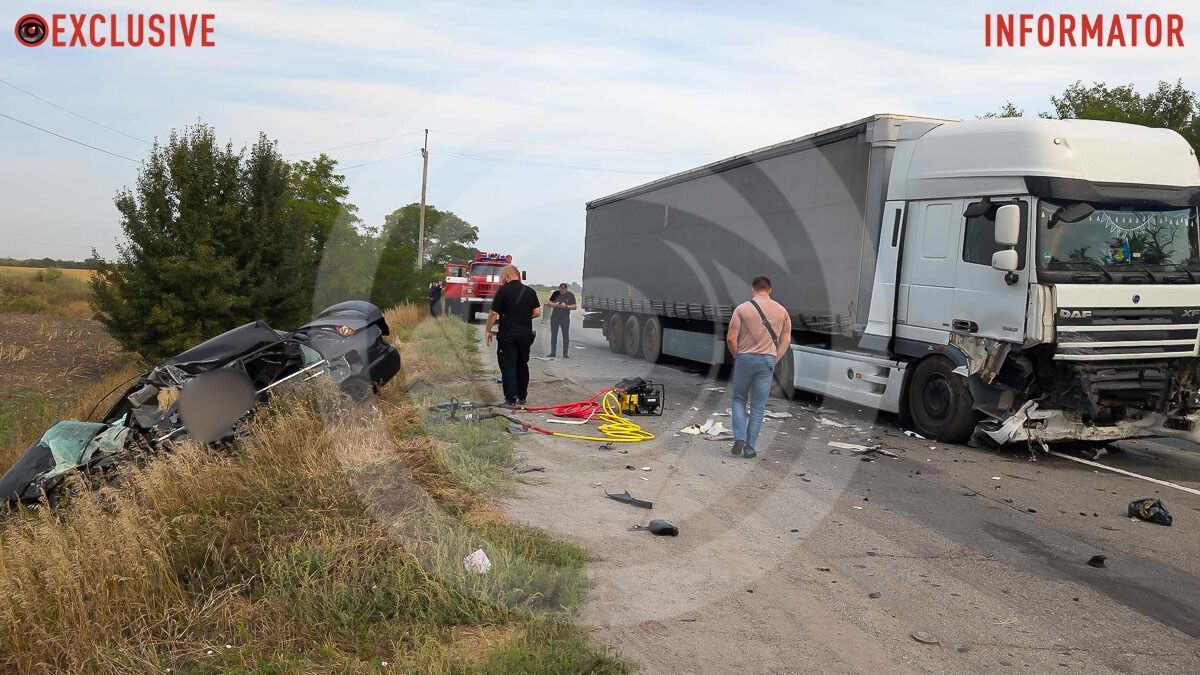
(1117,239)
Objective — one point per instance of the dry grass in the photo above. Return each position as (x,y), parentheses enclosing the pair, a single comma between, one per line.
(331,541)
(45,291)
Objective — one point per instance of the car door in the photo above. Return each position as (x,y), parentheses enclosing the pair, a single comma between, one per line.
(985,302)
(928,270)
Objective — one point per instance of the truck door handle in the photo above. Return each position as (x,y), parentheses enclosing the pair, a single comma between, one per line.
(965,325)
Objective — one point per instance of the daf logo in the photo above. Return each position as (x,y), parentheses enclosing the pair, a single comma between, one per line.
(1075,313)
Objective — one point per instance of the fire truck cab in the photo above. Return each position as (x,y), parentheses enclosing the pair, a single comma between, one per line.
(470,287)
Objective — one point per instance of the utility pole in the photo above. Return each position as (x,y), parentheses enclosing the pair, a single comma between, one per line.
(421,218)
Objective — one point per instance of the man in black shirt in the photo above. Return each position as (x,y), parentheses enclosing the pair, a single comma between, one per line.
(563,302)
(435,298)
(514,308)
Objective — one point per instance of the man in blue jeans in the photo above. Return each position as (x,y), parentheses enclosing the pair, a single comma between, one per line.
(760,333)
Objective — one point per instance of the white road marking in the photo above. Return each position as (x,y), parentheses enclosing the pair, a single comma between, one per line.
(1126,473)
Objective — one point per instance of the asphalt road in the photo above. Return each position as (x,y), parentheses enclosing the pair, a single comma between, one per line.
(983,552)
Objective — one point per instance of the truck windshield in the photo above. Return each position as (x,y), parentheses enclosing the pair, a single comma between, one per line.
(1116,241)
(485,270)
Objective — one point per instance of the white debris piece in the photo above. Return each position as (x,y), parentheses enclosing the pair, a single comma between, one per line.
(913,434)
(720,389)
(848,446)
(691,430)
(716,429)
(830,423)
(645,468)
(477,562)
(777,415)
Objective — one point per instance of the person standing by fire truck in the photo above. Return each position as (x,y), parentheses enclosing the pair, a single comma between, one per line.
(514,307)
(563,303)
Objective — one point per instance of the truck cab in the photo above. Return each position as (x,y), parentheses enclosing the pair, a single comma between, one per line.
(471,286)
(1052,265)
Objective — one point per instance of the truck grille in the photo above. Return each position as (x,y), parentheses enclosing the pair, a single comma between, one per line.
(1127,333)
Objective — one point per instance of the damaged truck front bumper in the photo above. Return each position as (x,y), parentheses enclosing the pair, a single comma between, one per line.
(1033,424)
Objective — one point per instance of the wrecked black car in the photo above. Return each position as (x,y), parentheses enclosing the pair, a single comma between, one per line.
(204,393)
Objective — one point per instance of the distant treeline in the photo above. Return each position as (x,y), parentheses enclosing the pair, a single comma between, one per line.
(47,262)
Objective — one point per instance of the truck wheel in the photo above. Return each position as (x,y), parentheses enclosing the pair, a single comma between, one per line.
(652,339)
(633,337)
(785,375)
(939,402)
(615,333)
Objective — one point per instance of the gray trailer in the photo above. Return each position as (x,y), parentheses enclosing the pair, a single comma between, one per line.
(805,213)
(1011,277)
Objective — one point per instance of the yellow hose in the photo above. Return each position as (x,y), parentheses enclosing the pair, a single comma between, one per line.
(616,428)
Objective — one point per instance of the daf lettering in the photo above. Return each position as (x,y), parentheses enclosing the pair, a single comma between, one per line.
(1075,313)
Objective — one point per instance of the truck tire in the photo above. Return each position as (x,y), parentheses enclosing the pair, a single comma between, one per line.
(633,337)
(784,377)
(652,339)
(615,333)
(939,402)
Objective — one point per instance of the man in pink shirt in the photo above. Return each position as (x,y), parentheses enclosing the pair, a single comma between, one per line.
(760,333)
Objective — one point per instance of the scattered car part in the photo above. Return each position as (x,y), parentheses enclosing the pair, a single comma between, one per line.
(627,498)
(1097,561)
(662,528)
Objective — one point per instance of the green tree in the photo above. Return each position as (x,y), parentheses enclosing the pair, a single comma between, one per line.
(1009,109)
(448,238)
(214,238)
(1169,106)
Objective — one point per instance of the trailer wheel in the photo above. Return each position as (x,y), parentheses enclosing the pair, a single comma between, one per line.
(785,375)
(633,337)
(652,339)
(615,333)
(939,402)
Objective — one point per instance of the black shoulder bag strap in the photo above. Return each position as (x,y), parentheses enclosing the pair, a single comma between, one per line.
(766,324)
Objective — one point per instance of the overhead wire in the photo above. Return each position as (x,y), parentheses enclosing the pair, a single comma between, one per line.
(67,138)
(72,112)
(353,145)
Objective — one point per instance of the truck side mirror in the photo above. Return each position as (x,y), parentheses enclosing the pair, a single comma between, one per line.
(1006,260)
(523,276)
(1008,225)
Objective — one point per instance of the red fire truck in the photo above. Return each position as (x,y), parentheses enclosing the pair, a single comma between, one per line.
(470,287)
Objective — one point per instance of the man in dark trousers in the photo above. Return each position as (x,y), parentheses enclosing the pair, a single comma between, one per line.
(563,303)
(435,298)
(514,308)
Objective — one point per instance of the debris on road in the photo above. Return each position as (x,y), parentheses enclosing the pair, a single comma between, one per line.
(477,562)
(1097,561)
(777,415)
(875,596)
(691,430)
(830,423)
(1152,510)
(626,498)
(527,468)
(925,638)
(913,434)
(662,528)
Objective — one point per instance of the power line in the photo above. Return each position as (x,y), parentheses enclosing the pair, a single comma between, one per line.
(568,145)
(506,160)
(352,145)
(72,112)
(72,140)
(410,153)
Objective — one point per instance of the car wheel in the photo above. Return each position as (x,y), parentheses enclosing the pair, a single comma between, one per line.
(615,333)
(652,339)
(357,388)
(633,337)
(939,402)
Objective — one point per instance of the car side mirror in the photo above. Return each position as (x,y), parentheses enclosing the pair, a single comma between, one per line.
(523,276)
(1008,226)
(1006,260)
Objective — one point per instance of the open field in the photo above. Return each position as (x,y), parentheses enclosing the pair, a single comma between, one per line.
(331,541)
(54,291)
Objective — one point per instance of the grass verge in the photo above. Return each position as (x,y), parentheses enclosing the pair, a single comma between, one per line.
(332,540)
(45,291)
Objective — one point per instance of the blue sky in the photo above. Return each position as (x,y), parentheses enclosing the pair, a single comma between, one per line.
(649,88)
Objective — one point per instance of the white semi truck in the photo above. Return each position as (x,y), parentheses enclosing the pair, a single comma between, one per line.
(1022,279)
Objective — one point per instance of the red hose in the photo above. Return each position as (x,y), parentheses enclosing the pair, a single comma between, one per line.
(584,409)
